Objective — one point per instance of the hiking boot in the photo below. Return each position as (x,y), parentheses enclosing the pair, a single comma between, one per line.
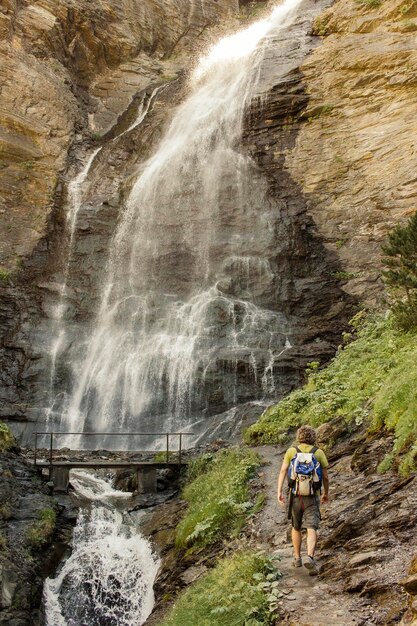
(297,562)
(311,565)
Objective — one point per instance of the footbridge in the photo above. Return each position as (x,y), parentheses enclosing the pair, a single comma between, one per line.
(57,462)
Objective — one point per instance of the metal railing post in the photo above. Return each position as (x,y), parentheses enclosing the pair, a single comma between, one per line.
(50,449)
(36,448)
(167,447)
(180,450)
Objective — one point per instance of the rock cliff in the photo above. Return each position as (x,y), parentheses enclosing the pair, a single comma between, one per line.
(330,134)
(68,67)
(355,154)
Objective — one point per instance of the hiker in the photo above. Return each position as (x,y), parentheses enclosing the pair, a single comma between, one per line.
(306,468)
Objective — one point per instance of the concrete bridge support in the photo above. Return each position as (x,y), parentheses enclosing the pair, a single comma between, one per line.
(146,479)
(60,478)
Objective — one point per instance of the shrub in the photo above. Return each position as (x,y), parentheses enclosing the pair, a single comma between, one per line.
(401,272)
(5,511)
(242,589)
(218,497)
(40,531)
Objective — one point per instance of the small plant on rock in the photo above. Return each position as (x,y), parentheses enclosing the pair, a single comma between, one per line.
(7,440)
(370,4)
(40,532)
(5,511)
(4,276)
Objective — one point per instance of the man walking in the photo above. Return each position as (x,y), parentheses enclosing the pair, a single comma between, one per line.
(304,508)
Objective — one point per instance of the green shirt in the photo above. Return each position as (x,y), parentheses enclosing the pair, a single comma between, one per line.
(306,447)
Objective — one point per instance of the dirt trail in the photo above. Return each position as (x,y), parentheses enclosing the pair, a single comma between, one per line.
(307,600)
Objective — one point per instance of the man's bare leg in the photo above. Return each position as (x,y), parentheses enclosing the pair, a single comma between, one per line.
(296,542)
(311,541)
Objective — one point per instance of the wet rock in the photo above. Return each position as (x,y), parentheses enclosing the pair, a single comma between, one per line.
(23,565)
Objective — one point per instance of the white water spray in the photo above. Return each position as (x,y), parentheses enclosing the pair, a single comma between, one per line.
(108,579)
(158,345)
(76,193)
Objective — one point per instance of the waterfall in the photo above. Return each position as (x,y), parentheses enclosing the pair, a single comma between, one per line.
(76,193)
(108,579)
(75,197)
(182,322)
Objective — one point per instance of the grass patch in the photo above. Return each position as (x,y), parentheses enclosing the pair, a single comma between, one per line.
(168,77)
(370,4)
(218,497)
(240,590)
(40,532)
(345,275)
(5,511)
(371,379)
(320,27)
(7,440)
(4,276)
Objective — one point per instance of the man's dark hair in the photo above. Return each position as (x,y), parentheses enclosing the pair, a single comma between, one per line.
(306,434)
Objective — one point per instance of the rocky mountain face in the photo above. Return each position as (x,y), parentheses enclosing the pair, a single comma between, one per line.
(355,154)
(69,67)
(329,136)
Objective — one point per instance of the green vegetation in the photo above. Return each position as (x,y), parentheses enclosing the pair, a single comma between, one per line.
(370,4)
(19,262)
(218,497)
(240,590)
(168,77)
(5,511)
(340,243)
(407,7)
(320,111)
(4,276)
(40,531)
(408,26)
(371,380)
(345,275)
(320,27)
(7,440)
(401,273)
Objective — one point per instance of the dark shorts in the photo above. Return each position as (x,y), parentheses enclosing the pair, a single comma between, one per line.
(305,511)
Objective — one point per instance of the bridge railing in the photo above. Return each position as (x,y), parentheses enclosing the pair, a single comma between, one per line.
(53,435)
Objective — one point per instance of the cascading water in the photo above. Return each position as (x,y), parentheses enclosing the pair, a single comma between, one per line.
(108,579)
(75,196)
(76,191)
(181,317)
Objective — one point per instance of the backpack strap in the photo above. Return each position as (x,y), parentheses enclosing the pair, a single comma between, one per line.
(297,448)
(313,450)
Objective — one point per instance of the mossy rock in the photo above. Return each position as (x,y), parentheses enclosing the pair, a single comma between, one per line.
(7,441)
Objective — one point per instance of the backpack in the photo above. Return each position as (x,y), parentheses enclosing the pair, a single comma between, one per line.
(305,473)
